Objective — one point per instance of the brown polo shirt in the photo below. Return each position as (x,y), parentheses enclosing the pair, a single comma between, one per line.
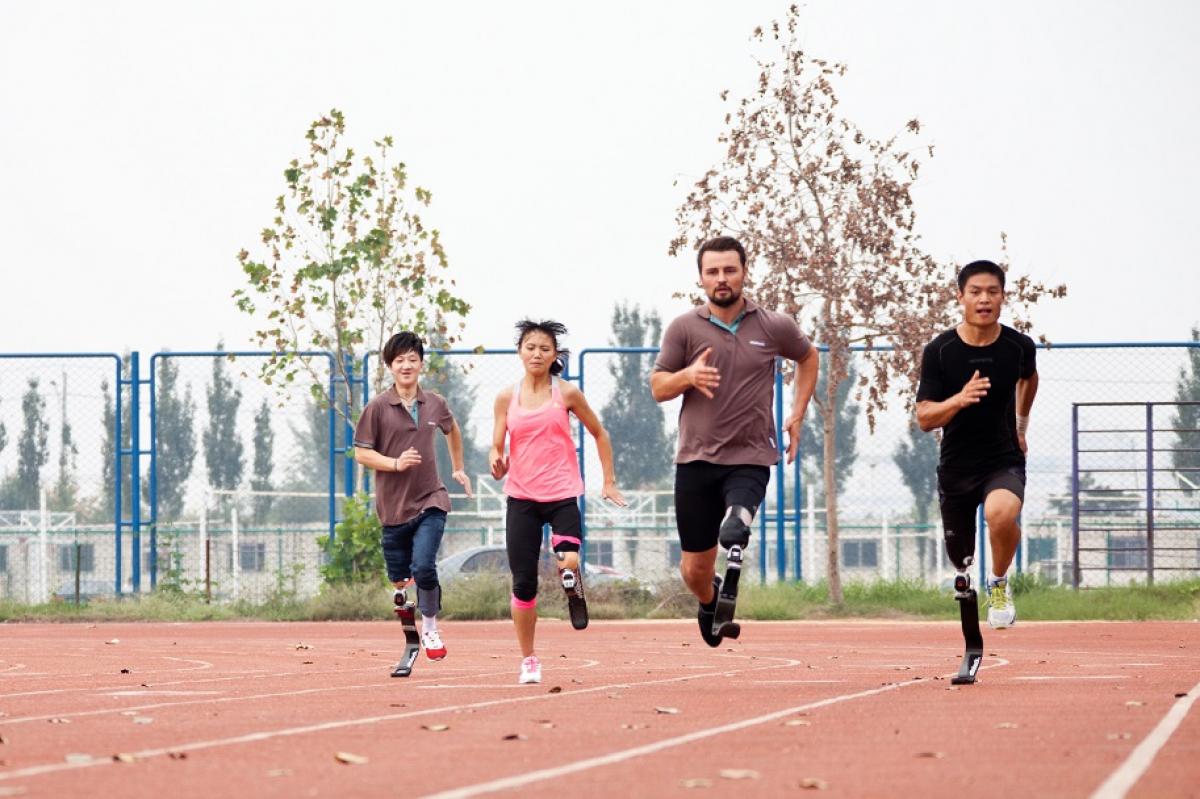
(387,427)
(737,426)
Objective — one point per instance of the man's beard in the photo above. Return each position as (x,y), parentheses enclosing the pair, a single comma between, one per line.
(733,297)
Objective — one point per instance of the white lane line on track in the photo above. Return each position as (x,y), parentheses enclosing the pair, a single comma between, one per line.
(203,666)
(586,664)
(522,780)
(1129,772)
(51,768)
(1072,677)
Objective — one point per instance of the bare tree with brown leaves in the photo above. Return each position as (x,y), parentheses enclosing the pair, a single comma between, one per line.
(827,214)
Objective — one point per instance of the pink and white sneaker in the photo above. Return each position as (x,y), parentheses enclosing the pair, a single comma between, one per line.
(531,670)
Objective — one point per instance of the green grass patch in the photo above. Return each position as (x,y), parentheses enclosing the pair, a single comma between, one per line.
(486,597)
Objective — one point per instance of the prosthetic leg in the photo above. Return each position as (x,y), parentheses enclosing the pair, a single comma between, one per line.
(968,608)
(734,536)
(406,612)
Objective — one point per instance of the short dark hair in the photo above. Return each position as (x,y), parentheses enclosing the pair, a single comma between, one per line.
(552,329)
(978,268)
(722,244)
(402,342)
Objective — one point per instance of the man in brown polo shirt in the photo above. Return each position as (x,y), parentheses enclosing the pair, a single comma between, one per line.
(394,436)
(721,357)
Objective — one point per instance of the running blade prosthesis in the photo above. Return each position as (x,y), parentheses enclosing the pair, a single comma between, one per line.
(406,612)
(968,608)
(723,623)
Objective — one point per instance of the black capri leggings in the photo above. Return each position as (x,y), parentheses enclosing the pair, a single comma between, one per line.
(523,538)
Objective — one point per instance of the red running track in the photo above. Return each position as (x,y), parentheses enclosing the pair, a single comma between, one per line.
(625,709)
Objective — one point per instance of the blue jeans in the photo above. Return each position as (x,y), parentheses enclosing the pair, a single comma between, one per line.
(410,550)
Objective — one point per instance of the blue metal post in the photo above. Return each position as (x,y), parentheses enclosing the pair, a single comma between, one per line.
(332,451)
(118,522)
(153,477)
(1075,495)
(1150,493)
(348,434)
(780,501)
(135,506)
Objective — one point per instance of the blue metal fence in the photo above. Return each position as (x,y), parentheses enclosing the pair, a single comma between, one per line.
(1073,374)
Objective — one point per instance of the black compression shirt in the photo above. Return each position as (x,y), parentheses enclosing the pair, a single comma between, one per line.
(981,436)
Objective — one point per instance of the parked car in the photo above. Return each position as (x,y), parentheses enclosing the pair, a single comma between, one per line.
(494,560)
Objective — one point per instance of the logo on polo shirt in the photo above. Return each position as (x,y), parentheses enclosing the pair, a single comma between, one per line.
(757,343)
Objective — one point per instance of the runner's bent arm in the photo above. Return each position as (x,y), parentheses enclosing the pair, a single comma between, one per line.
(1026,391)
(455,441)
(577,404)
(699,375)
(382,463)
(496,458)
(806,381)
(932,415)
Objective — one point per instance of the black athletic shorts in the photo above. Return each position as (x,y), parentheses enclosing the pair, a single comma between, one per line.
(961,493)
(704,490)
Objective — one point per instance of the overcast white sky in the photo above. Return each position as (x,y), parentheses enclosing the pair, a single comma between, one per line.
(142,146)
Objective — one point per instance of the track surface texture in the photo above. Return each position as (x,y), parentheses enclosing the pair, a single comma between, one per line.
(625,709)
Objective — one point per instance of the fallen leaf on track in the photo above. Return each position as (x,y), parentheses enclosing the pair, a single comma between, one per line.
(177,755)
(125,671)
(59,721)
(349,759)
(698,782)
(121,757)
(932,755)
(634,726)
(738,774)
(667,711)
(813,784)
(1006,725)
(435,727)
(113,641)
(514,736)
(303,645)
(142,720)
(1134,703)
(797,723)
(555,690)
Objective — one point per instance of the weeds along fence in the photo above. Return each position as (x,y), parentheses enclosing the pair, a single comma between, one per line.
(185,470)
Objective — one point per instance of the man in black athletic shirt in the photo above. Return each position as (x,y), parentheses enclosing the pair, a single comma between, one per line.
(978,381)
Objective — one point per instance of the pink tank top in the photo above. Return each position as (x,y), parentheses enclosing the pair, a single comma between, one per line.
(542,463)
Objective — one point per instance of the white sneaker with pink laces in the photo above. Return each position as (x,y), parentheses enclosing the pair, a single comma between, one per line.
(531,670)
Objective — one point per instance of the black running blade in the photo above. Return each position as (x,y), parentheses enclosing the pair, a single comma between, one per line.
(404,667)
(968,611)
(970,665)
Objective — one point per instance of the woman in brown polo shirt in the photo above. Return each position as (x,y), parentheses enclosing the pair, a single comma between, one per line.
(394,436)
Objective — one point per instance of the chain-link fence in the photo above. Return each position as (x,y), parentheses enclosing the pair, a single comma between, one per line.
(236,479)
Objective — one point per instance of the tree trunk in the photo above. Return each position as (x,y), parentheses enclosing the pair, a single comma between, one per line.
(829,418)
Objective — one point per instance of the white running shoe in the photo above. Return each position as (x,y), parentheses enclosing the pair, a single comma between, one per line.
(1002,612)
(434,648)
(531,670)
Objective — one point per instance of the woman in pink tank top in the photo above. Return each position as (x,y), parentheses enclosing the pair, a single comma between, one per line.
(543,482)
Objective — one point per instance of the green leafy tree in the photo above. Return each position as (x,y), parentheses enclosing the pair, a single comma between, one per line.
(346,260)
(1186,419)
(65,495)
(22,490)
(812,436)
(354,555)
(641,447)
(223,449)
(176,440)
(264,452)
(917,459)
(828,215)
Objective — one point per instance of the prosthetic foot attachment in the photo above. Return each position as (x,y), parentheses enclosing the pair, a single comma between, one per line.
(572,583)
(406,612)
(968,608)
(723,624)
